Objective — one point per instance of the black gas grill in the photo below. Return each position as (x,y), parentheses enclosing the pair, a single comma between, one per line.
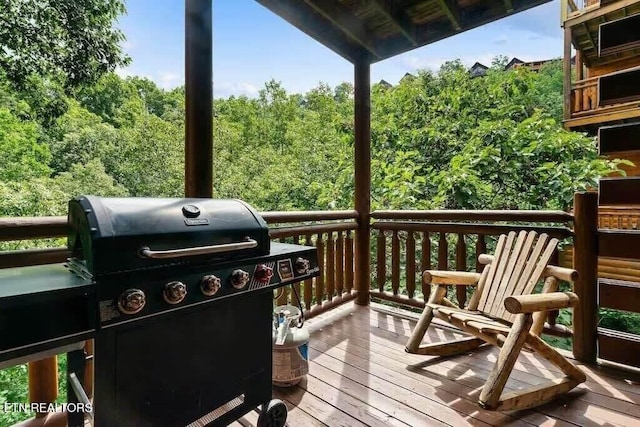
(177,294)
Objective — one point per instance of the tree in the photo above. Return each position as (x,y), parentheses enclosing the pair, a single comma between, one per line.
(74,40)
(22,157)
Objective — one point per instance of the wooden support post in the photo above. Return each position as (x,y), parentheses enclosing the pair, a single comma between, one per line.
(198,98)
(362,158)
(585,262)
(461,265)
(567,73)
(43,382)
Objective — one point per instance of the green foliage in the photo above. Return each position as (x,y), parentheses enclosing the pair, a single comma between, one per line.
(447,140)
(439,140)
(22,157)
(619,320)
(13,389)
(74,40)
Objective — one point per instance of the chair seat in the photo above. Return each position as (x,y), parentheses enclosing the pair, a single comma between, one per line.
(474,319)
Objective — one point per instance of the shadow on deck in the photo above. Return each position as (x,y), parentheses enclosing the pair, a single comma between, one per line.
(360,375)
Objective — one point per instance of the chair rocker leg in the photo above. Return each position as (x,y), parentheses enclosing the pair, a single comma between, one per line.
(490,395)
(450,348)
(533,396)
(437,294)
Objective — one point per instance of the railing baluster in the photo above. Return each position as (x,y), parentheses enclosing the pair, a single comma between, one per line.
(88,370)
(43,382)
(339,263)
(552,316)
(331,271)
(283,295)
(320,279)
(481,248)
(348,276)
(395,263)
(443,252)
(411,264)
(382,260)
(461,265)
(296,240)
(425,262)
(308,284)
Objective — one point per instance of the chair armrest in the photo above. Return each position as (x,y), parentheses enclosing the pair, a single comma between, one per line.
(540,302)
(439,277)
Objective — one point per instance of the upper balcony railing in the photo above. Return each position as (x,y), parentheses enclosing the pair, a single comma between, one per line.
(570,9)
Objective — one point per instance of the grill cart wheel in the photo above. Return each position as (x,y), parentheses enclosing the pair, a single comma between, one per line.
(273,415)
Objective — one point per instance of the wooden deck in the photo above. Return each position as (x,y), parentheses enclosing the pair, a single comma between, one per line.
(360,375)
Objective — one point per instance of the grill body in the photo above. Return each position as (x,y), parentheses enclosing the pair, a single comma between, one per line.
(176,293)
(176,369)
(174,366)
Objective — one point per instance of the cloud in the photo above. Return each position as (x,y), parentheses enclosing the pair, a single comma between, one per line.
(420,63)
(124,72)
(503,39)
(227,89)
(541,21)
(128,46)
(169,80)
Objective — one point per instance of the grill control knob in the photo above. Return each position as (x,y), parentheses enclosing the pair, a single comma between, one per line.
(302,266)
(131,301)
(174,292)
(263,274)
(239,279)
(209,284)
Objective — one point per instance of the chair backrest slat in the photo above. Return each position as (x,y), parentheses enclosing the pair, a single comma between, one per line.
(487,289)
(517,267)
(501,267)
(516,260)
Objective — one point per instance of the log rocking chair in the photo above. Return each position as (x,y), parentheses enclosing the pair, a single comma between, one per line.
(505,312)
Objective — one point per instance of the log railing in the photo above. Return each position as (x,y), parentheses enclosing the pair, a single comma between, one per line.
(335,244)
(403,244)
(331,232)
(584,96)
(619,217)
(421,240)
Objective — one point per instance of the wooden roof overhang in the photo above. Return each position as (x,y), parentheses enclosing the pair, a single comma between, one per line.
(373,30)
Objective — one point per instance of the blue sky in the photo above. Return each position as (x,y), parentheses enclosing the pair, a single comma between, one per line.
(253,45)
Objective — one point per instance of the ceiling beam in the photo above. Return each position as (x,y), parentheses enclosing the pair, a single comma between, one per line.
(435,31)
(346,21)
(451,9)
(594,46)
(307,20)
(398,17)
(508,4)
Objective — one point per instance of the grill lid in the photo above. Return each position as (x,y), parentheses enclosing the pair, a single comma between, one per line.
(123,234)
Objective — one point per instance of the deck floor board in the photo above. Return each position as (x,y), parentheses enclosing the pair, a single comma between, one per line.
(360,375)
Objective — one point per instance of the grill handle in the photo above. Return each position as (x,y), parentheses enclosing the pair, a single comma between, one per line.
(145,252)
